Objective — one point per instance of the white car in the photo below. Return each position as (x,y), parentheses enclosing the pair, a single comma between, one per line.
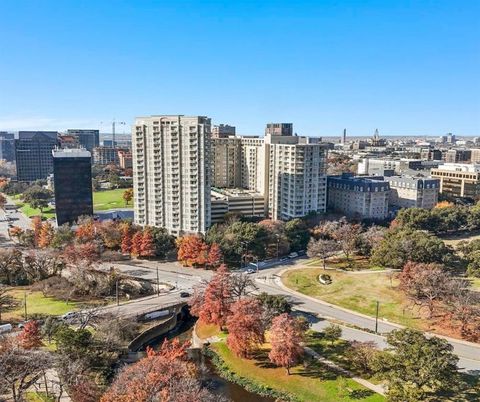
(250,271)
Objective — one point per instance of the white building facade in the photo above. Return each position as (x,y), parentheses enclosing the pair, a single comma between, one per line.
(172,172)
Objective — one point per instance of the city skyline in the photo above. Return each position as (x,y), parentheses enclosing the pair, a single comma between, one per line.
(409,69)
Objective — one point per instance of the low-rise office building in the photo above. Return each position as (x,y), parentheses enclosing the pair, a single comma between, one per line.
(459,179)
(408,192)
(358,197)
(238,201)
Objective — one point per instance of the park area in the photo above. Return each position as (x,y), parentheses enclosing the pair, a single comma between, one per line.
(310,381)
(110,199)
(358,292)
(37,305)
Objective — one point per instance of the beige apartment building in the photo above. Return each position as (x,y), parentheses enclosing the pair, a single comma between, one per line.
(238,201)
(459,179)
(287,171)
(171,172)
(409,192)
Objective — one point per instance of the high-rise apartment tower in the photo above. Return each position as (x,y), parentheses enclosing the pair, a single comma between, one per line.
(171,172)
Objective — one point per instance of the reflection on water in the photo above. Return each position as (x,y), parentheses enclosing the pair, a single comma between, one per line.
(208,375)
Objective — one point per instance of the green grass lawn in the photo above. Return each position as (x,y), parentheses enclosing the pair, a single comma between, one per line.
(357,292)
(29,211)
(109,199)
(311,383)
(38,397)
(476,283)
(37,303)
(357,263)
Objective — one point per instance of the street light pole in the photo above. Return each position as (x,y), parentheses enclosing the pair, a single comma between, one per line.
(116,292)
(376,318)
(158,284)
(278,243)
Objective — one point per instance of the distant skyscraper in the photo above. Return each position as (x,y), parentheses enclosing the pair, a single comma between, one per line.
(344,136)
(172,172)
(72,177)
(33,153)
(7,146)
(223,131)
(88,139)
(281,129)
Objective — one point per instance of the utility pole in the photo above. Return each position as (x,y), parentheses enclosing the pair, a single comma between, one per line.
(278,243)
(116,292)
(25,304)
(158,284)
(376,318)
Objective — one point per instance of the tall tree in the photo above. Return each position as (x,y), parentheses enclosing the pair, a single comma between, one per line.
(322,248)
(147,248)
(417,368)
(137,240)
(245,327)
(128,195)
(3,201)
(286,336)
(217,298)
(47,233)
(273,305)
(347,237)
(214,256)
(191,250)
(297,234)
(31,335)
(126,240)
(37,228)
(157,378)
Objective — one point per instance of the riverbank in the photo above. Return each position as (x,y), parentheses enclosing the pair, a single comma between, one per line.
(311,381)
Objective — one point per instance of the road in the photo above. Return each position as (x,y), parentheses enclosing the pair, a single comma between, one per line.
(17,218)
(318,312)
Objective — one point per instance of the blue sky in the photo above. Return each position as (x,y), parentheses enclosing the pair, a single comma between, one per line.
(406,67)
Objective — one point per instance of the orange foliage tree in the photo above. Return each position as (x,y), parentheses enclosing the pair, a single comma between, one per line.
(163,376)
(147,248)
(30,337)
(86,232)
(126,240)
(37,228)
(286,335)
(212,306)
(245,327)
(47,233)
(444,204)
(215,256)
(192,251)
(137,240)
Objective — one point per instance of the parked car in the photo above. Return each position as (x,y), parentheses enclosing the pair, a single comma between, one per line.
(293,255)
(184,294)
(68,317)
(249,271)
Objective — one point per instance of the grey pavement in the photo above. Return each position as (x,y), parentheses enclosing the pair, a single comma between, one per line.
(11,215)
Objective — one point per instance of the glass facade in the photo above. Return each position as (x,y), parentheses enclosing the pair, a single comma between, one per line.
(73,188)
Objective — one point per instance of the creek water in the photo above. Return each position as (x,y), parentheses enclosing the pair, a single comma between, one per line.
(207,370)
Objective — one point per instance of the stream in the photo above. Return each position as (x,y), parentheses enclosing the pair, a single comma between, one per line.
(208,374)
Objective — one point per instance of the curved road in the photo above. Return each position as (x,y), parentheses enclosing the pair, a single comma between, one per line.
(268,280)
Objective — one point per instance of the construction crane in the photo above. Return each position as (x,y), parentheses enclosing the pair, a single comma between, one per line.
(114,143)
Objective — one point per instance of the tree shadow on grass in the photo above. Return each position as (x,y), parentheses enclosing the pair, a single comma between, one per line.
(314,369)
(360,393)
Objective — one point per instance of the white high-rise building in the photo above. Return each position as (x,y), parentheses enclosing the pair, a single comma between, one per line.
(172,172)
(297,181)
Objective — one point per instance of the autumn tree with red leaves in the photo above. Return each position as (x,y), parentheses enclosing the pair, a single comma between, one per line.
(147,248)
(191,250)
(137,244)
(162,376)
(286,335)
(30,337)
(86,231)
(245,327)
(213,305)
(37,228)
(47,233)
(126,240)
(215,256)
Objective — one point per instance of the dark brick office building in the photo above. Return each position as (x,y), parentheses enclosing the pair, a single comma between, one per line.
(72,178)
